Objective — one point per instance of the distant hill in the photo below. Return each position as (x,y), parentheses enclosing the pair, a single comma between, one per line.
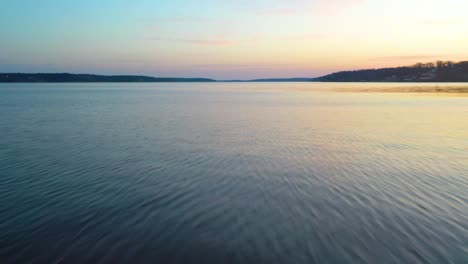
(67,77)
(422,72)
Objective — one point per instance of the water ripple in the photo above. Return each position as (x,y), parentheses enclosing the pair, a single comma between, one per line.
(228,174)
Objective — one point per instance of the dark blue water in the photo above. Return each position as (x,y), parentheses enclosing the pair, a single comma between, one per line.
(231,173)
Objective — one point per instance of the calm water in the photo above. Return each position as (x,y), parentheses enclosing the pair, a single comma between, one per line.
(231,173)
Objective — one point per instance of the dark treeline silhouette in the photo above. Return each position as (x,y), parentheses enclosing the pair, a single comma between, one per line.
(440,71)
(67,77)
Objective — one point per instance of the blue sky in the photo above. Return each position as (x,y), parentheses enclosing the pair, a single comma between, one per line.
(227,39)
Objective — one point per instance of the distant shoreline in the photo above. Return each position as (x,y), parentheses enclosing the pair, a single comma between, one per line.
(439,72)
(346,87)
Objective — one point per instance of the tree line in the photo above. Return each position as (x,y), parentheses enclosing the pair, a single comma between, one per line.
(439,71)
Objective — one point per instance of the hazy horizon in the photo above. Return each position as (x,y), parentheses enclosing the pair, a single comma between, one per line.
(226,40)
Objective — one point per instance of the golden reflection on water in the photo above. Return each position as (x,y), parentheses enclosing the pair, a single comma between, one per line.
(454,89)
(373,125)
(410,89)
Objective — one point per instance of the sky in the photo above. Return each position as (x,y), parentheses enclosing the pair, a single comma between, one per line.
(228,39)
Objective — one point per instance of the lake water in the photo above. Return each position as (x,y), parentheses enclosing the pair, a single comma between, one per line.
(231,173)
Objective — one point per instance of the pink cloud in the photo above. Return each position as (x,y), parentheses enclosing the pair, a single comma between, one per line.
(279,11)
(209,42)
(214,42)
(183,19)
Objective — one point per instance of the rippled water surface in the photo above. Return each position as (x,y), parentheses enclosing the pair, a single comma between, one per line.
(231,173)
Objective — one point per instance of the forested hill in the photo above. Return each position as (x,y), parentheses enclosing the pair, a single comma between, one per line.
(67,77)
(421,72)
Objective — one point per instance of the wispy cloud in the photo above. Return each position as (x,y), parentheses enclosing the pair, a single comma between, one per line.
(213,42)
(279,11)
(182,19)
(208,42)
